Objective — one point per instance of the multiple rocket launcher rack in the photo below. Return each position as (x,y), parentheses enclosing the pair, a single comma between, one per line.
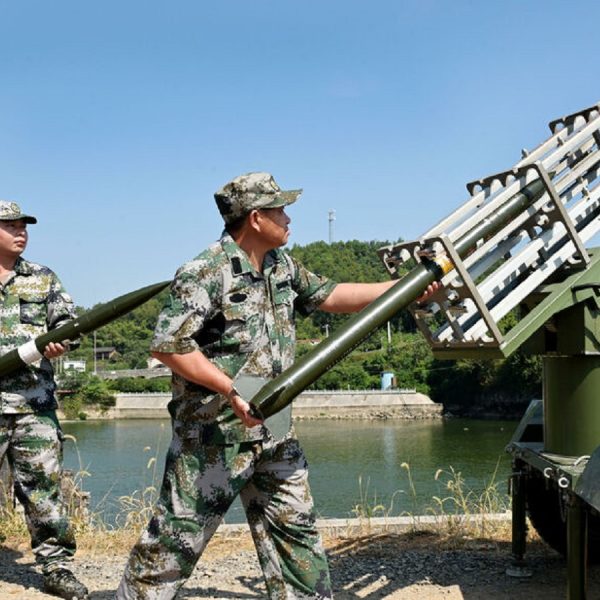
(504,269)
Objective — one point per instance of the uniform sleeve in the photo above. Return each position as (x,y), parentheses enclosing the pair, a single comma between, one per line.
(60,308)
(184,312)
(312,289)
(60,305)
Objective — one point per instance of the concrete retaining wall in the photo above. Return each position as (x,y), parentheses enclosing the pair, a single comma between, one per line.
(365,404)
(351,404)
(142,406)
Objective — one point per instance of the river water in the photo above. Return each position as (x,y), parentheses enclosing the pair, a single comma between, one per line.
(352,463)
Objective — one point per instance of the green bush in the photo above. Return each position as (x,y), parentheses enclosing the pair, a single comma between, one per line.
(72,407)
(80,389)
(140,384)
(97,392)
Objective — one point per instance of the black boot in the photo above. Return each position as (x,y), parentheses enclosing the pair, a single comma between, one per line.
(62,583)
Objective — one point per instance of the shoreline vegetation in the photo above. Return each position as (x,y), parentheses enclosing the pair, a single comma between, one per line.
(375,560)
(483,521)
(458,510)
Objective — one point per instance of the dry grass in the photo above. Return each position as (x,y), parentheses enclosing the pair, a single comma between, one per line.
(458,516)
(227,543)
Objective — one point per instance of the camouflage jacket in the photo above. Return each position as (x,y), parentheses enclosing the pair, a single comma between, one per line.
(32,302)
(241,320)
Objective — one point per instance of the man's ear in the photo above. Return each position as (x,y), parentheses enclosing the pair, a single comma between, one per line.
(253,220)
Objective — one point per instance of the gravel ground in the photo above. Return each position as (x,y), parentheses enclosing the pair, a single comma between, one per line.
(376,566)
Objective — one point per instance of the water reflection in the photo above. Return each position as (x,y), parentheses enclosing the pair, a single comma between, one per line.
(342,452)
(117,455)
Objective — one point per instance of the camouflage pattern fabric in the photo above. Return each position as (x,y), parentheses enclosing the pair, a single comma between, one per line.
(11,211)
(271,479)
(32,302)
(251,191)
(32,444)
(243,321)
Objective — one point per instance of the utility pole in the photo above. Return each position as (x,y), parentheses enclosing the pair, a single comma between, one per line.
(331,220)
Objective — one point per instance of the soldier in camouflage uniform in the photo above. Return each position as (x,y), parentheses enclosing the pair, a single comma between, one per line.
(32,301)
(230,315)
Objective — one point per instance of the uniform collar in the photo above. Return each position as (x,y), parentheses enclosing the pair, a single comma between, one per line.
(22,267)
(239,261)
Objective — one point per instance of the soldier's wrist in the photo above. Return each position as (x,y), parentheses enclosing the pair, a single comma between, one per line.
(232,393)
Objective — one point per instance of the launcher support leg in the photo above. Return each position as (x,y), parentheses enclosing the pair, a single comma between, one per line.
(518,482)
(576,550)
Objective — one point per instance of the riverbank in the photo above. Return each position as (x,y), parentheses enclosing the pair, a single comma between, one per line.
(372,562)
(347,404)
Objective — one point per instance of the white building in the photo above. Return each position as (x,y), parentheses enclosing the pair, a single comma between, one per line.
(74,365)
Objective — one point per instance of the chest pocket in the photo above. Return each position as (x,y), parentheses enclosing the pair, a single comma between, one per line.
(240,324)
(283,299)
(33,309)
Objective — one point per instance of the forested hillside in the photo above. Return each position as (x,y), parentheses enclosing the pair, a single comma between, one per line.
(465,387)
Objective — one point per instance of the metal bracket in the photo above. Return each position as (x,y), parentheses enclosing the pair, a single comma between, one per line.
(558,210)
(472,290)
(567,120)
(556,213)
(469,291)
(486,182)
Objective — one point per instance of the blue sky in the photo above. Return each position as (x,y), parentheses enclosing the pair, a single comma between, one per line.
(119,120)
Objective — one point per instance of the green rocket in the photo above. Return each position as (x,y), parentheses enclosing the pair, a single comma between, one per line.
(71,330)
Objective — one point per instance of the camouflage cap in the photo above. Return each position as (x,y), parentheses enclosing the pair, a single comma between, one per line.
(11,211)
(249,192)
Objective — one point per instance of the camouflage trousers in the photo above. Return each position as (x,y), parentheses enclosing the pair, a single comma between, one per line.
(200,483)
(32,445)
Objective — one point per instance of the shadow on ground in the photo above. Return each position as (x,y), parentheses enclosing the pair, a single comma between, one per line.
(408,566)
(12,571)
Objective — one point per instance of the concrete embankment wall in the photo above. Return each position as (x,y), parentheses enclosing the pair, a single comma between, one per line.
(359,404)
